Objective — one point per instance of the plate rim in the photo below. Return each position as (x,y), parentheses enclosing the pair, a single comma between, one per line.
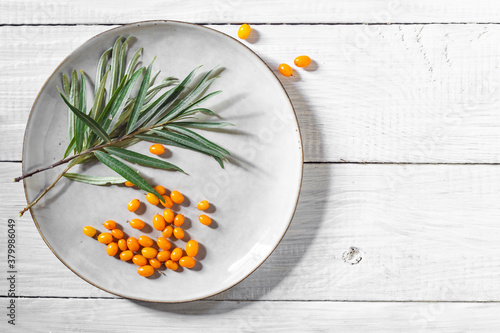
(138,23)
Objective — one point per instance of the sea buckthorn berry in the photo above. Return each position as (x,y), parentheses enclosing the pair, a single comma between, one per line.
(170,264)
(105,238)
(145,241)
(157,149)
(203,205)
(187,262)
(155,263)
(149,252)
(178,233)
(177,197)
(244,31)
(285,70)
(109,224)
(302,61)
(192,248)
(176,254)
(152,199)
(168,201)
(112,249)
(205,219)
(89,231)
(160,189)
(167,232)
(137,224)
(168,215)
(145,270)
(122,244)
(133,244)
(117,233)
(133,205)
(163,256)
(163,243)
(179,220)
(126,255)
(129,184)
(158,222)
(139,260)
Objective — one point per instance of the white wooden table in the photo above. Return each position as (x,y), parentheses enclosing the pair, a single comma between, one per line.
(398,224)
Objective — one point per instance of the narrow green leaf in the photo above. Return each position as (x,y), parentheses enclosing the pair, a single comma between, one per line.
(187,141)
(133,62)
(126,172)
(201,110)
(82,105)
(101,69)
(203,124)
(141,159)
(70,148)
(66,85)
(105,112)
(91,123)
(115,58)
(99,97)
(95,180)
(219,160)
(162,140)
(121,100)
(72,99)
(139,100)
(121,60)
(198,138)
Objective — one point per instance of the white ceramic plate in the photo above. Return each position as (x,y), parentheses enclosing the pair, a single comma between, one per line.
(254,197)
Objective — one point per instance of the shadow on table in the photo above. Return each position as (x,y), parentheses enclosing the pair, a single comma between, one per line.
(289,254)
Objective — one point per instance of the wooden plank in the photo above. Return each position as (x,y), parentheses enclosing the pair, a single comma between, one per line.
(103,315)
(323,11)
(425,93)
(361,232)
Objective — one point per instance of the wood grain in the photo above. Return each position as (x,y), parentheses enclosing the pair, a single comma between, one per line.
(423,233)
(296,11)
(104,315)
(418,93)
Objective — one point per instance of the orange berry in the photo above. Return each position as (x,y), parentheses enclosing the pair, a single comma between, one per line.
(163,256)
(112,249)
(149,252)
(167,232)
(122,244)
(168,215)
(203,205)
(158,222)
(176,254)
(178,233)
(126,255)
(145,241)
(139,260)
(168,202)
(89,231)
(105,238)
(137,224)
(129,184)
(192,248)
(133,205)
(244,31)
(171,265)
(109,224)
(177,197)
(160,189)
(152,199)
(133,244)
(155,263)
(145,270)
(205,219)
(179,220)
(302,61)
(187,262)
(117,233)
(157,149)
(285,70)
(163,243)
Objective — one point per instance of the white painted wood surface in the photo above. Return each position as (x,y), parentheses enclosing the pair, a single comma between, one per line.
(409,92)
